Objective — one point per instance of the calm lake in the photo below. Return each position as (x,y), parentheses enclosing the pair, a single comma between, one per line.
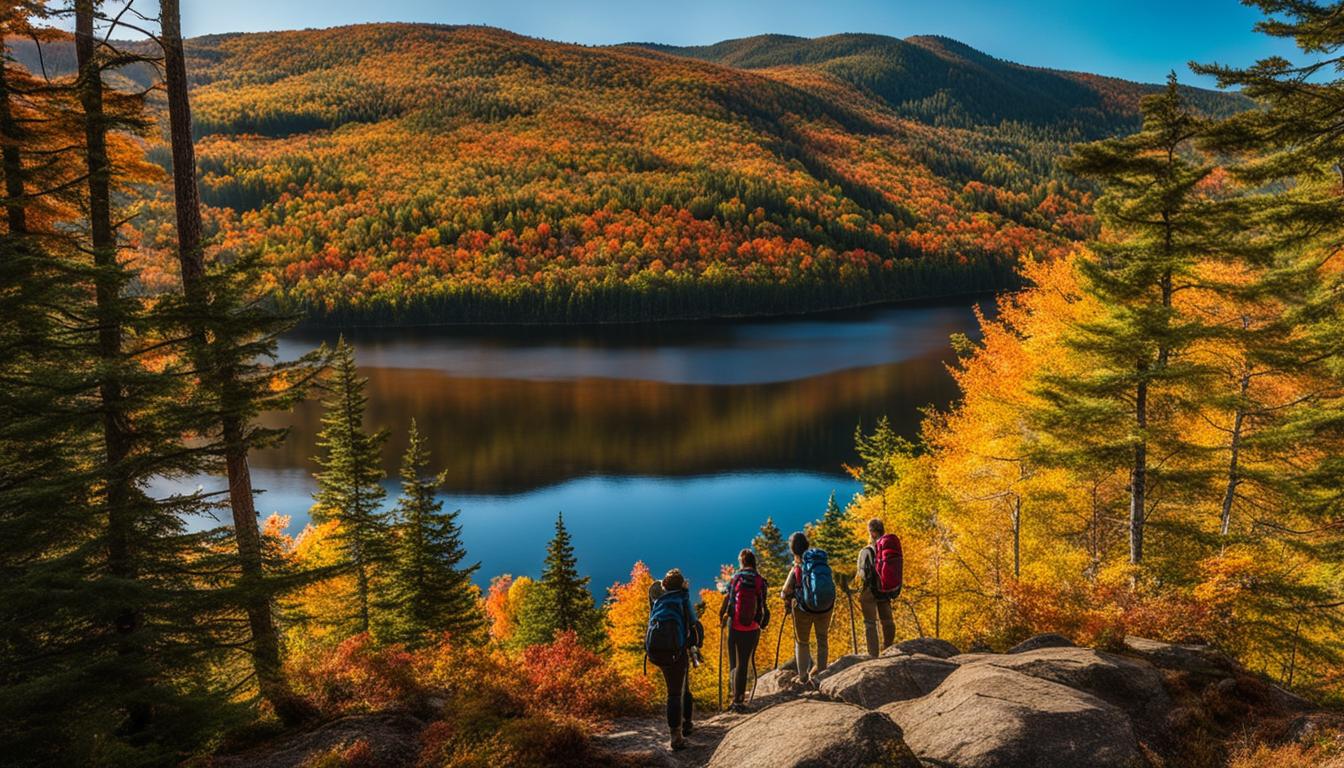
(669,444)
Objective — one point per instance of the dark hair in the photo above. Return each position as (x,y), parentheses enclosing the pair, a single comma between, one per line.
(674,580)
(747,558)
(876,528)
(798,543)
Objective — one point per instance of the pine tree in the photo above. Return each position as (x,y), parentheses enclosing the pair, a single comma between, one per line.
(772,553)
(349,489)
(876,452)
(1155,231)
(233,341)
(428,592)
(832,534)
(560,601)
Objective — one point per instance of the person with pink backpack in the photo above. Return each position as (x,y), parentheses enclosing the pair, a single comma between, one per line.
(880,570)
(744,613)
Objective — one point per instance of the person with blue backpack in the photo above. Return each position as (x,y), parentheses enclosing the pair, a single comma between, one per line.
(809,597)
(672,643)
(745,614)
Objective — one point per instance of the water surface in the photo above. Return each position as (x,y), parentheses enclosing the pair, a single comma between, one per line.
(669,444)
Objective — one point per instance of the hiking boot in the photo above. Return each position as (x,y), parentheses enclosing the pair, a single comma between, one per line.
(739,707)
(686,728)
(678,741)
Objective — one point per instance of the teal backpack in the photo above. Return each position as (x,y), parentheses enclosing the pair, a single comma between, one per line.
(816,585)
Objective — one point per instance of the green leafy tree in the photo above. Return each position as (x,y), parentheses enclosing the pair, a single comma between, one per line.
(1157,229)
(832,534)
(772,553)
(560,600)
(349,485)
(429,591)
(876,452)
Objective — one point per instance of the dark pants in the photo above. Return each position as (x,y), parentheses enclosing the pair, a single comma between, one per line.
(678,679)
(741,649)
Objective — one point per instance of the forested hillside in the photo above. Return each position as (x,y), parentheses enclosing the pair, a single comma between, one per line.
(393,173)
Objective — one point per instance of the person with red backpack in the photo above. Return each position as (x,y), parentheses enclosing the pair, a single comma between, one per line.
(745,614)
(880,571)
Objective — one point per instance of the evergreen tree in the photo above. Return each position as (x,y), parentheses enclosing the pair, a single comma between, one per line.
(772,553)
(233,342)
(560,601)
(428,592)
(349,489)
(832,534)
(1156,230)
(876,452)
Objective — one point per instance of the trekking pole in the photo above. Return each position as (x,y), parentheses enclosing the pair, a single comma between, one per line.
(722,626)
(754,677)
(849,601)
(780,641)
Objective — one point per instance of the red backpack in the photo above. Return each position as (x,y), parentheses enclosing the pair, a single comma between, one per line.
(747,593)
(888,564)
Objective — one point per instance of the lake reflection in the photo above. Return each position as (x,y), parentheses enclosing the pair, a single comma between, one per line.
(667,443)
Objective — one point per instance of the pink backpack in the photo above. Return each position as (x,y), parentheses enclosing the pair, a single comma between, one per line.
(888,564)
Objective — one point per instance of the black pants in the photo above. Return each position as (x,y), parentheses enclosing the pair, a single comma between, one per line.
(741,648)
(678,678)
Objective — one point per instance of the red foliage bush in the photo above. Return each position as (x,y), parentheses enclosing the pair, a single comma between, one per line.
(565,677)
(358,676)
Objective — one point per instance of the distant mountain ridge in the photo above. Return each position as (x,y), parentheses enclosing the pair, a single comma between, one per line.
(393,173)
(947,82)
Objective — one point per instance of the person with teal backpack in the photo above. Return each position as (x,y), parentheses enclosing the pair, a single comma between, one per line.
(745,614)
(809,597)
(672,643)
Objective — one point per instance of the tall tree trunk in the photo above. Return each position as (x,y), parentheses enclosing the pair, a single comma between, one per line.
(256,600)
(117,437)
(1234,458)
(1017,536)
(15,215)
(1138,478)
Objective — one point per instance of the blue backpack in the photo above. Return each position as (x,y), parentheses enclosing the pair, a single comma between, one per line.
(665,640)
(816,586)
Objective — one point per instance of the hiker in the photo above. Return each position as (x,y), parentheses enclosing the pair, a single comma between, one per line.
(745,614)
(672,643)
(879,572)
(809,597)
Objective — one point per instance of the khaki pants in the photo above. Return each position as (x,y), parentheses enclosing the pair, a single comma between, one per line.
(875,610)
(805,624)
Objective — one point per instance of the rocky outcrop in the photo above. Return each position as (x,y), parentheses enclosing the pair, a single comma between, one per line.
(1036,642)
(804,734)
(1054,705)
(1130,684)
(987,716)
(929,646)
(882,681)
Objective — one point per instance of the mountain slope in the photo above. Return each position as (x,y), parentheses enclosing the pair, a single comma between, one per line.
(945,82)
(421,173)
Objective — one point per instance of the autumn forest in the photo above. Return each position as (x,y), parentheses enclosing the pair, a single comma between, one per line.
(1146,436)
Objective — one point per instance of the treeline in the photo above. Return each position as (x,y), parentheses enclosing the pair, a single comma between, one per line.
(669,298)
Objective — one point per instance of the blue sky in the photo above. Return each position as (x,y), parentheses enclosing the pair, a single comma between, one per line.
(1138,39)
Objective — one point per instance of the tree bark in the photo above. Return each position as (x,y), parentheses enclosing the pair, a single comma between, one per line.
(117,436)
(1138,479)
(1234,459)
(256,601)
(15,215)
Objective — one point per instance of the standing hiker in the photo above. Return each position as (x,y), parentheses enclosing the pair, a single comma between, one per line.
(745,614)
(809,597)
(879,572)
(672,643)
